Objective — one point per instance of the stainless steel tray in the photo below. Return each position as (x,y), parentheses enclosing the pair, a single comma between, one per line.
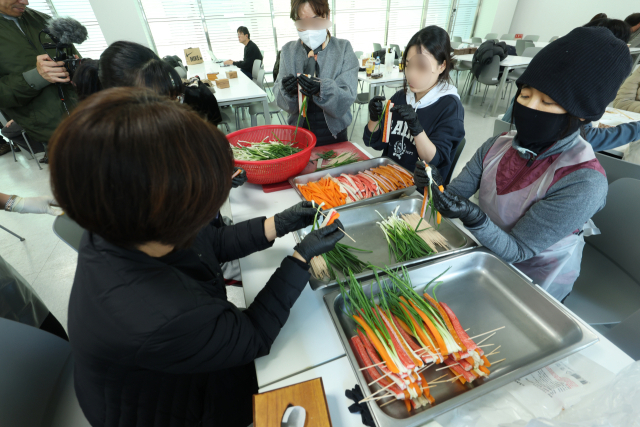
(354,168)
(485,293)
(360,223)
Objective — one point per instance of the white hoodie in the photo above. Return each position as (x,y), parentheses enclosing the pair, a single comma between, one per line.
(442,89)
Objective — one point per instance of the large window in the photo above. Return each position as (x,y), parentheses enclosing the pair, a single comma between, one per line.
(80,10)
(211,24)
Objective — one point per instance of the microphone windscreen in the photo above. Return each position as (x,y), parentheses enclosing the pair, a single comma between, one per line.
(67,30)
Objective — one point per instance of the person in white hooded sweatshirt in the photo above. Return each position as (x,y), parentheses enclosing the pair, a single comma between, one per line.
(427,117)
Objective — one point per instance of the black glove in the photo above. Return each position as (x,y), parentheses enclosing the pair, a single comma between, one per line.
(320,241)
(240,179)
(421,178)
(295,218)
(376,105)
(361,408)
(290,85)
(408,114)
(309,86)
(452,206)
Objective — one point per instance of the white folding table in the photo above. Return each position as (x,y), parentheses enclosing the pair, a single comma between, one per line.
(241,90)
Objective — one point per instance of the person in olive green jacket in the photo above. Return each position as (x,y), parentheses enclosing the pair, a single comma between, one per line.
(628,97)
(28,94)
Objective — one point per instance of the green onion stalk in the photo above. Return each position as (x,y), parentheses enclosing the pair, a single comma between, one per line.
(303,109)
(403,241)
(269,150)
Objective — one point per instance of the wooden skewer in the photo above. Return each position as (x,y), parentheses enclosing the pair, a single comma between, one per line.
(367,367)
(386,403)
(486,345)
(623,114)
(446,381)
(501,360)
(497,329)
(486,338)
(345,233)
(373,382)
(426,367)
(467,329)
(439,378)
(494,351)
(380,397)
(446,367)
(382,389)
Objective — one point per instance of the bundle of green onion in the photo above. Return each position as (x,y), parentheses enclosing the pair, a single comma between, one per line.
(266,150)
(340,259)
(404,242)
(337,159)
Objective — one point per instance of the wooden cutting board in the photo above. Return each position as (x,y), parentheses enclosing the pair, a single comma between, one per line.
(339,148)
(269,407)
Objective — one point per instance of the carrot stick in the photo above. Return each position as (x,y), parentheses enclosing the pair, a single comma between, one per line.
(335,216)
(485,370)
(377,344)
(439,215)
(486,361)
(447,321)
(408,405)
(419,331)
(431,326)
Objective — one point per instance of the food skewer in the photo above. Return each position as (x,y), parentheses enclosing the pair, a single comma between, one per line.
(321,213)
(497,329)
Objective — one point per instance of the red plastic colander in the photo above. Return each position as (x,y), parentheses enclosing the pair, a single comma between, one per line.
(278,170)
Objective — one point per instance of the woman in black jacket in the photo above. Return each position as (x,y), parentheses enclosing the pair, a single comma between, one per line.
(155,341)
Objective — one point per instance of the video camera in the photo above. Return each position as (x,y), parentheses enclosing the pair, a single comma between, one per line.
(64,32)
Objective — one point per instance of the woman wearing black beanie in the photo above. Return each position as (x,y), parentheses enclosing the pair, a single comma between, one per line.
(540,186)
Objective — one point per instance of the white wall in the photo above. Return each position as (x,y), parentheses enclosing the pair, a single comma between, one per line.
(548,18)
(121,20)
(495,17)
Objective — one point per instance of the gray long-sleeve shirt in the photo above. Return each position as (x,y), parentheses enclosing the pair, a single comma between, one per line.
(567,206)
(338,81)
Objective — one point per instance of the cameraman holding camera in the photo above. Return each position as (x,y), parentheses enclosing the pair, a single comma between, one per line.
(28,76)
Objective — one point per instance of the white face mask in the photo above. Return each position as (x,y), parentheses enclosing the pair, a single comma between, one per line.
(313,38)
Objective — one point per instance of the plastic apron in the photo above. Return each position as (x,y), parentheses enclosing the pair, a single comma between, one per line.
(556,268)
(17,300)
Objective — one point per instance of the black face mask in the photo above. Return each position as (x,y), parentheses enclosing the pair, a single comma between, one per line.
(538,130)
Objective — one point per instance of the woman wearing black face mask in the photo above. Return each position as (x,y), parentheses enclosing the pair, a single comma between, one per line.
(539,186)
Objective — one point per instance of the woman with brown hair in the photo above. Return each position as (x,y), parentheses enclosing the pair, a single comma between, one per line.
(154,338)
(325,67)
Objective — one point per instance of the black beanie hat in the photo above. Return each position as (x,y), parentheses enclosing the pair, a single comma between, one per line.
(581,71)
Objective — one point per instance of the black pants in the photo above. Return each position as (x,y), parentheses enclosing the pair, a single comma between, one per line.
(51,325)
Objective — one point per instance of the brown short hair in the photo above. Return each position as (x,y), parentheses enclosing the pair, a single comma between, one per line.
(320,7)
(134,167)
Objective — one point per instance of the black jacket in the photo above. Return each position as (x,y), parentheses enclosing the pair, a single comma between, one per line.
(155,341)
(485,53)
(251,53)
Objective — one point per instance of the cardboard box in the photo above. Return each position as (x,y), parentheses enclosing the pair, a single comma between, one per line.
(222,83)
(193,56)
(364,62)
(232,74)
(212,76)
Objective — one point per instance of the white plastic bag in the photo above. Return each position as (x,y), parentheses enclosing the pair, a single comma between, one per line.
(612,405)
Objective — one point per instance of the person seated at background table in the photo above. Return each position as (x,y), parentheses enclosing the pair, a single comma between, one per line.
(602,139)
(634,22)
(153,336)
(251,53)
(628,97)
(18,301)
(328,70)
(427,121)
(539,186)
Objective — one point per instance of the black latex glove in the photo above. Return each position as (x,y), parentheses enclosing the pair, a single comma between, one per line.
(376,105)
(240,179)
(421,178)
(295,218)
(320,241)
(408,114)
(359,408)
(290,85)
(452,206)
(309,86)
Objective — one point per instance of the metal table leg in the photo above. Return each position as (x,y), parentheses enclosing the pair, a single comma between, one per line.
(265,105)
(499,89)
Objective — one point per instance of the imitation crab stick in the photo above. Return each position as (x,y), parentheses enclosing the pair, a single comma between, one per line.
(381,365)
(420,332)
(378,345)
(408,343)
(359,349)
(468,342)
(405,359)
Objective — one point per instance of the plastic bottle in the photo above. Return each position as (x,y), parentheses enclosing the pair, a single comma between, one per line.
(377,69)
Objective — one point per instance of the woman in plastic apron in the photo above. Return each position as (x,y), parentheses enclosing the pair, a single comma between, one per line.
(18,301)
(540,186)
(324,68)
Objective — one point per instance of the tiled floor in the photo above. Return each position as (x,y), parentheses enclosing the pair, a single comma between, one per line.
(49,264)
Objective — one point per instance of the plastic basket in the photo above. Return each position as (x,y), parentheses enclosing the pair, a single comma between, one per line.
(278,170)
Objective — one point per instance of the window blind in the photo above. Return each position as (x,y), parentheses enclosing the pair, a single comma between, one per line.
(464,19)
(438,13)
(40,6)
(362,22)
(176,25)
(404,21)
